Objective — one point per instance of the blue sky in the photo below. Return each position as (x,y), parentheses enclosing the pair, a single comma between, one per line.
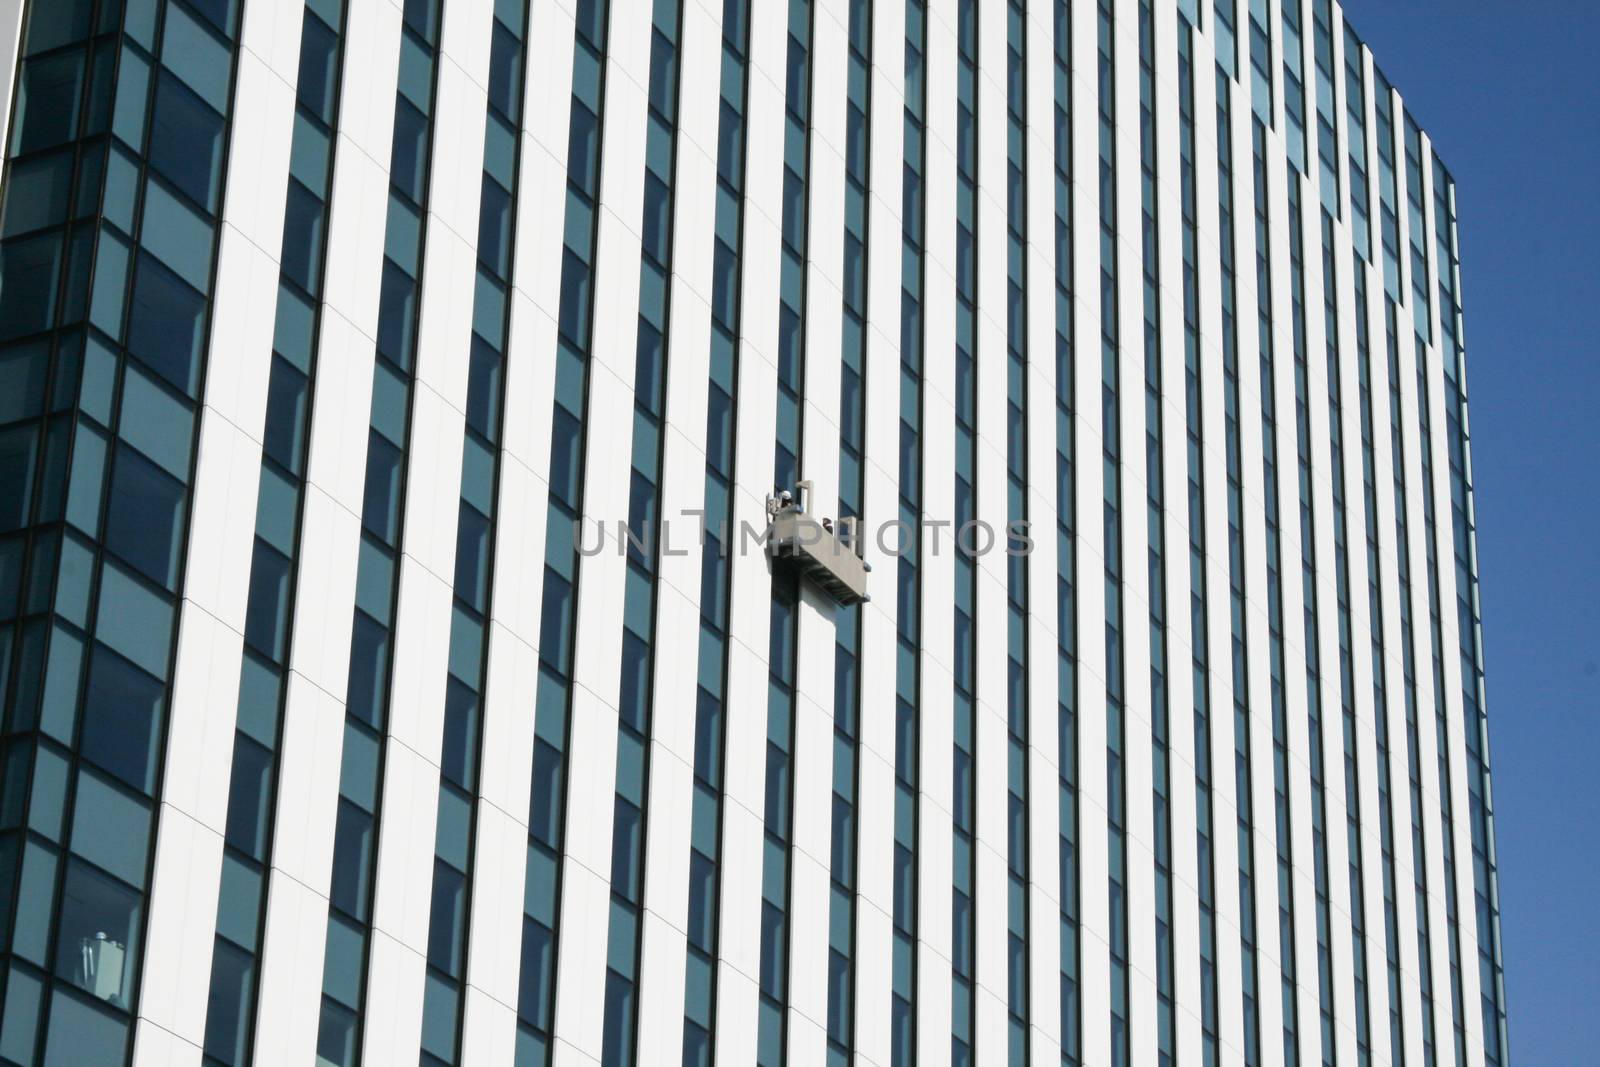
(1509,94)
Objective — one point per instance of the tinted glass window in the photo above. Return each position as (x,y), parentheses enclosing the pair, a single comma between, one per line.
(458,758)
(369,659)
(186,142)
(28,276)
(47,102)
(380,511)
(505,72)
(122,717)
(228,1006)
(446,928)
(165,324)
(408,159)
(319,47)
(267,613)
(494,227)
(302,238)
(144,520)
(286,413)
(352,848)
(80,1032)
(249,791)
(396,315)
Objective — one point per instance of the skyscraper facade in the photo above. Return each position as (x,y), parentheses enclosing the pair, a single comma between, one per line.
(778,532)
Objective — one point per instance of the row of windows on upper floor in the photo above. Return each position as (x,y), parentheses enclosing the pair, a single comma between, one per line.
(181,122)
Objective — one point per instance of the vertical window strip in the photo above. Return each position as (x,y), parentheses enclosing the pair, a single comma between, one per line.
(1458,445)
(1155,532)
(1224,22)
(1189,10)
(100,447)
(1417,231)
(964,798)
(1388,192)
(1347,691)
(1294,85)
(1463,523)
(705,841)
(1111,518)
(1274,555)
(1017,688)
(547,806)
(1066,552)
(772,1022)
(449,925)
(1312,621)
(1419,864)
(908,612)
(1261,61)
(1355,105)
(1380,672)
(847,635)
(1327,107)
(1447,848)
(636,707)
(1239,646)
(367,699)
(1199,629)
(274,570)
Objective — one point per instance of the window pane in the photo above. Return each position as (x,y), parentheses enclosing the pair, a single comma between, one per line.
(536,988)
(380,511)
(144,521)
(336,1036)
(239,902)
(286,414)
(459,754)
(483,389)
(28,275)
(343,961)
(409,150)
(165,324)
(47,102)
(97,935)
(249,793)
(266,621)
(17,449)
(194,53)
(555,629)
(186,142)
(156,422)
(396,315)
(178,235)
(352,850)
(369,664)
(441,1008)
(565,447)
(39,193)
(53,25)
(302,238)
(19,1016)
(81,1033)
(319,47)
(494,228)
(122,717)
(228,1005)
(544,805)
(111,828)
(505,72)
(447,926)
